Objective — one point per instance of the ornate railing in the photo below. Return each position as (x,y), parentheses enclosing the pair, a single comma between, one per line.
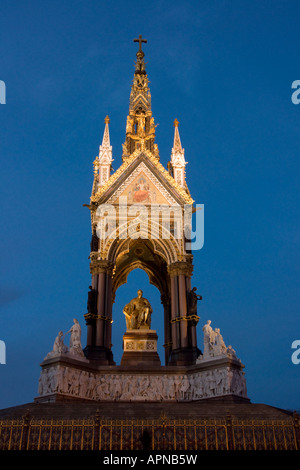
(151,434)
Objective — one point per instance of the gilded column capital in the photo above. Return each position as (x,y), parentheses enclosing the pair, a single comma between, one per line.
(101,266)
(180,267)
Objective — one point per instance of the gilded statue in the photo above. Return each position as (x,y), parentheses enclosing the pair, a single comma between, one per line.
(141,126)
(138,313)
(129,125)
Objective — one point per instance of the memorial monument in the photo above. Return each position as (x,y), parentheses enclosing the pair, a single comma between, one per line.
(153,239)
(141,218)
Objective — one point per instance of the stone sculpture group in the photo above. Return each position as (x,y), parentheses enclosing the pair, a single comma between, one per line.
(221,375)
(214,345)
(75,348)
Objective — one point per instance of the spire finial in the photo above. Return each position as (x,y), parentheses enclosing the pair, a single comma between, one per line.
(140,40)
(177,143)
(177,163)
(104,161)
(106,140)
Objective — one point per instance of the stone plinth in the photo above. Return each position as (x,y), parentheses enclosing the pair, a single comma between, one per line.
(66,378)
(216,375)
(140,348)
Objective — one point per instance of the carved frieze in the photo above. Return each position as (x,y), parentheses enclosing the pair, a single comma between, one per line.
(78,383)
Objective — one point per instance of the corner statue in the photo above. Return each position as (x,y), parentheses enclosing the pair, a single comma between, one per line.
(138,313)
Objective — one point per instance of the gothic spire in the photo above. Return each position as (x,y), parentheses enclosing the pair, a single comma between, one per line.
(178,162)
(106,140)
(140,127)
(177,148)
(105,155)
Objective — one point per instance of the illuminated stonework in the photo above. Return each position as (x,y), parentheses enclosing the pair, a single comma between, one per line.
(138,220)
(157,245)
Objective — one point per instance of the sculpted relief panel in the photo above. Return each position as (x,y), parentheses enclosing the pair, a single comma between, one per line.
(214,380)
(141,387)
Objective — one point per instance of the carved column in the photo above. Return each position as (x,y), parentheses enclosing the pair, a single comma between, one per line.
(89,336)
(98,346)
(165,300)
(108,308)
(174,309)
(192,322)
(183,311)
(184,340)
(194,334)
(92,311)
(91,316)
(100,308)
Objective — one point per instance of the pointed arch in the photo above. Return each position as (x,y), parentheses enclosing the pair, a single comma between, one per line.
(139,253)
(161,239)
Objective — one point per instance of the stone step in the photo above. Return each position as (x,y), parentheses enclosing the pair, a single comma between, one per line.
(114,410)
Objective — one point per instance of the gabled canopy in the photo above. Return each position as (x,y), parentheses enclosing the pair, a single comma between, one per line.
(158,178)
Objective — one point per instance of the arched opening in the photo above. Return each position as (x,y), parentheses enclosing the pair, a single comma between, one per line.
(136,279)
(139,253)
(157,261)
(138,260)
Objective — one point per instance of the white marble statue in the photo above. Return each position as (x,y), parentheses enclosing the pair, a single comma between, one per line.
(58,347)
(219,345)
(208,338)
(214,345)
(75,340)
(231,352)
(74,349)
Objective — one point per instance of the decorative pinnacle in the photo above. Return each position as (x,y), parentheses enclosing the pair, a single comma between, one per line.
(177,148)
(105,149)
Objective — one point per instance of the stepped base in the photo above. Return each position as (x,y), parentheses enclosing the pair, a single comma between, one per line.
(129,410)
(150,427)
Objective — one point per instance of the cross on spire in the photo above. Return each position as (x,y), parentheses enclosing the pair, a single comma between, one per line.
(140,40)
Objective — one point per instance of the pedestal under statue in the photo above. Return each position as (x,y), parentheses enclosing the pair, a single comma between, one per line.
(139,341)
(217,374)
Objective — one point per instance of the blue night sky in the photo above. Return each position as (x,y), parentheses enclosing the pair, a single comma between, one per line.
(224,69)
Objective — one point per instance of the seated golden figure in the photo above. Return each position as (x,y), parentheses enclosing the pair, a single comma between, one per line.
(138,313)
